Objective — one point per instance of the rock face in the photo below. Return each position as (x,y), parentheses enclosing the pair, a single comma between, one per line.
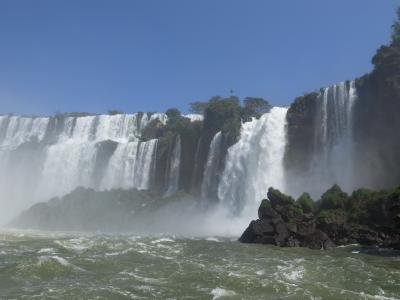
(371,123)
(367,218)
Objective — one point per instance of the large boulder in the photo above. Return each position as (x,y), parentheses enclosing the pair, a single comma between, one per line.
(282,223)
(366,217)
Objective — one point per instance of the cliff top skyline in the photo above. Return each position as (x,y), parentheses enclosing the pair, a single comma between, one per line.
(149,56)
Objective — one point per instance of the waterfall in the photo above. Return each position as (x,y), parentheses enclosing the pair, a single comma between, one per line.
(18,175)
(210,176)
(194,117)
(144,121)
(19,130)
(45,157)
(255,162)
(143,167)
(333,147)
(159,116)
(174,168)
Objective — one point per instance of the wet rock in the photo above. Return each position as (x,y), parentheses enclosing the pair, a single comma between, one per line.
(366,217)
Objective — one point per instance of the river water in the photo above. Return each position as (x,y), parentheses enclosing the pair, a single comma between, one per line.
(49,265)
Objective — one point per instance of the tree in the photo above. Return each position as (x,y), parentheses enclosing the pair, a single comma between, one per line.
(223,114)
(306,203)
(113,112)
(174,118)
(198,107)
(396,30)
(388,55)
(173,113)
(333,198)
(254,107)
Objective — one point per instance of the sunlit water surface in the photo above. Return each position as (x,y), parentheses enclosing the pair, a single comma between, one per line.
(46,265)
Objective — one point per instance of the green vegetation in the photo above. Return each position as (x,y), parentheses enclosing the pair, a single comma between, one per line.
(254,107)
(198,107)
(280,198)
(220,114)
(285,205)
(366,217)
(306,203)
(223,114)
(173,114)
(113,112)
(362,207)
(386,53)
(333,198)
(72,114)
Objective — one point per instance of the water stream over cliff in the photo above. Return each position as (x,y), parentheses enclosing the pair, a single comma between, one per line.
(210,177)
(45,157)
(173,170)
(333,145)
(255,162)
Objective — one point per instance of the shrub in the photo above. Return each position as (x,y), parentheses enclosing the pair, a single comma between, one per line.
(306,203)
(333,198)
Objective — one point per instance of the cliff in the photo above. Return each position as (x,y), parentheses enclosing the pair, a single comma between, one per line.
(348,133)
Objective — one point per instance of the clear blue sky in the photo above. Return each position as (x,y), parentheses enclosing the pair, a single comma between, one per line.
(93,55)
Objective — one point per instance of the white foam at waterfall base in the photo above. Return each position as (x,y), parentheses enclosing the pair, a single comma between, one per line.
(254,163)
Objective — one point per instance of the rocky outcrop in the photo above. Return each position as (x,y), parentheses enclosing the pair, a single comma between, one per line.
(88,210)
(366,217)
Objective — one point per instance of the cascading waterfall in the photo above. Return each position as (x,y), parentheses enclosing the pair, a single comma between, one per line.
(254,163)
(121,168)
(209,185)
(174,168)
(17,171)
(163,118)
(17,130)
(143,167)
(45,157)
(333,149)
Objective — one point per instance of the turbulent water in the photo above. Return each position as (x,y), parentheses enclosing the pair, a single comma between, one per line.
(44,157)
(83,266)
